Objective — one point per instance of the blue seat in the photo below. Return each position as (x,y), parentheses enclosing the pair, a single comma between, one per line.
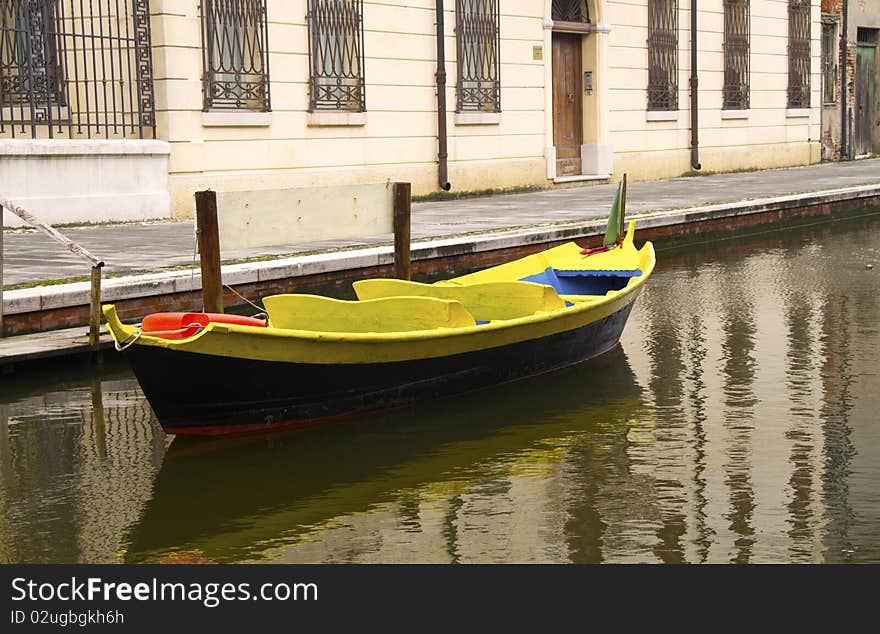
(583,282)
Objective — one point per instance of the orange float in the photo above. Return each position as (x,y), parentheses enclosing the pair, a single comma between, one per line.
(183,325)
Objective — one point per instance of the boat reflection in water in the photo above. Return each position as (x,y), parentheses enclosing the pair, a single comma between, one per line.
(403,486)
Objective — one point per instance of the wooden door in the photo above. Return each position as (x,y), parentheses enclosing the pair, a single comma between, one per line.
(866,91)
(568,116)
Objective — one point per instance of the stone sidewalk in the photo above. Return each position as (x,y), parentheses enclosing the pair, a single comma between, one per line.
(31,257)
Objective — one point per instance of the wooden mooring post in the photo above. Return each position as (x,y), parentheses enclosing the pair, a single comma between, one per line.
(73,247)
(208,232)
(402,217)
(95,307)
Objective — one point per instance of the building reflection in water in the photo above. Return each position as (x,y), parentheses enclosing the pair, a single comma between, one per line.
(778,377)
(737,423)
(76,467)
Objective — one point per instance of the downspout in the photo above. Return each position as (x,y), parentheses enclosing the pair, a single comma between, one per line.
(442,155)
(844,92)
(695,104)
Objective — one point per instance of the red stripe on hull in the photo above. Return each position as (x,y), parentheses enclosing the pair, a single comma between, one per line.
(256,428)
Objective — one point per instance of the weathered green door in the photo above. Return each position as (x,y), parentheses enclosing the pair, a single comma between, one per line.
(866,98)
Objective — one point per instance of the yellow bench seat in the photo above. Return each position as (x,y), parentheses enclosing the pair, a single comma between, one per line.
(486,301)
(392,314)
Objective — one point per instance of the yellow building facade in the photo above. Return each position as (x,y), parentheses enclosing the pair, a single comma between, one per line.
(395,137)
(252,94)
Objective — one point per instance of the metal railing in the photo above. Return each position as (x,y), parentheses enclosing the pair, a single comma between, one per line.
(76,69)
(73,247)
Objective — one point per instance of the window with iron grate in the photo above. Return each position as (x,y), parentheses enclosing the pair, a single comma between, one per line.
(569,11)
(736,54)
(799,53)
(829,62)
(478,39)
(662,55)
(336,56)
(235,51)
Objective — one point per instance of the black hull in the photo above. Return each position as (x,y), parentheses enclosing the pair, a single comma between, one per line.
(200,394)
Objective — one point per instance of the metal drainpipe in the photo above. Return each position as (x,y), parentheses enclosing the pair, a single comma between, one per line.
(695,104)
(844,92)
(442,154)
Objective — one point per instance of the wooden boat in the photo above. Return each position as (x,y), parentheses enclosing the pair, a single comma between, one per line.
(319,359)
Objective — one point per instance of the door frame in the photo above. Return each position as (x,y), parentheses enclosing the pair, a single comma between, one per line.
(873,139)
(577,101)
(597,153)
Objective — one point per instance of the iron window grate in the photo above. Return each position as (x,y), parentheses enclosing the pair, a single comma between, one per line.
(799,53)
(478,40)
(569,11)
(336,55)
(829,62)
(235,55)
(736,54)
(662,55)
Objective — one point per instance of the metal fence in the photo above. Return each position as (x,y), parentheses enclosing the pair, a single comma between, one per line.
(76,69)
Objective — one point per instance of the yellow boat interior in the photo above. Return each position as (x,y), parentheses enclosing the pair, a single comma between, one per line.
(545,282)
(538,287)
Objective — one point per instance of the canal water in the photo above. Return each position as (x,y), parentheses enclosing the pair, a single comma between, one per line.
(737,422)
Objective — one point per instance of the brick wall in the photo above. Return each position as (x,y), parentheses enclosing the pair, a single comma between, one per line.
(831,137)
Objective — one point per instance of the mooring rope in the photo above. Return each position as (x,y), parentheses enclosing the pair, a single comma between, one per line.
(192,270)
(192,276)
(240,296)
(127,344)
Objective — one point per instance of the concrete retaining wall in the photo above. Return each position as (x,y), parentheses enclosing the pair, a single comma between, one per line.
(64,181)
